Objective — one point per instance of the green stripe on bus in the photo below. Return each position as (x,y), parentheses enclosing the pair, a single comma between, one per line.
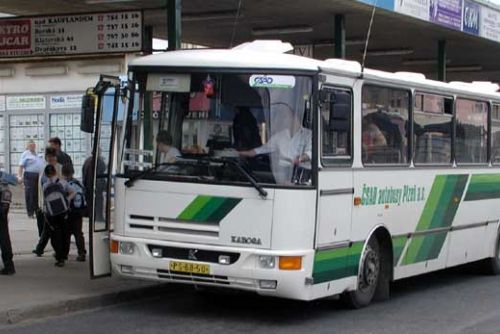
(337,263)
(398,245)
(483,186)
(439,211)
(208,209)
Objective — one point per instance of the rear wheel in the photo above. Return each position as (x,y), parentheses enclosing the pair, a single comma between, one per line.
(368,277)
(492,265)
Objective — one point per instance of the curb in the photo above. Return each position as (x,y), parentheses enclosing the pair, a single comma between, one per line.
(16,316)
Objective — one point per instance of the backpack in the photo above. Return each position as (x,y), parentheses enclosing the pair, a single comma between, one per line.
(79,202)
(55,200)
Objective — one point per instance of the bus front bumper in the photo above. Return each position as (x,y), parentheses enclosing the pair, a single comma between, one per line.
(231,267)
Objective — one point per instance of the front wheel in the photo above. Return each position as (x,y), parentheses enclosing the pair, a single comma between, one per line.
(368,277)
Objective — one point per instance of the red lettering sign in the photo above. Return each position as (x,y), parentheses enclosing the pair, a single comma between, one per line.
(15,35)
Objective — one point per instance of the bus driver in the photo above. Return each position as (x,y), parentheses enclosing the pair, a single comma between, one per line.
(290,147)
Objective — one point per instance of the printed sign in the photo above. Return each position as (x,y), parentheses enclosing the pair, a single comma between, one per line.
(490,24)
(26,102)
(66,102)
(180,83)
(71,34)
(446,13)
(386,4)
(2,103)
(472,15)
(272,81)
(415,8)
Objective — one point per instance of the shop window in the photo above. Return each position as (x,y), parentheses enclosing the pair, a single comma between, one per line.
(23,128)
(432,127)
(385,125)
(471,131)
(336,111)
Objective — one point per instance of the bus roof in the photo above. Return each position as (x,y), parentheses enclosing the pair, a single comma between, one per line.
(272,57)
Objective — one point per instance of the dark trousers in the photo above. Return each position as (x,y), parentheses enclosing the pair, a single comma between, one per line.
(5,245)
(44,231)
(75,226)
(59,235)
(31,192)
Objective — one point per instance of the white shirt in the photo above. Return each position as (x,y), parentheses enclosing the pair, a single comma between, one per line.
(170,155)
(289,147)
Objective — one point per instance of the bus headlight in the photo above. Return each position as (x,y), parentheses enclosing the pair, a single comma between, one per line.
(127,248)
(267,262)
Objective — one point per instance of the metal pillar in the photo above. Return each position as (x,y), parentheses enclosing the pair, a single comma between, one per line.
(148,40)
(339,36)
(442,60)
(174,24)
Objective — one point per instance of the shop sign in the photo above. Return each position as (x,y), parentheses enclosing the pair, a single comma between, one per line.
(447,13)
(66,102)
(490,24)
(71,34)
(2,103)
(472,15)
(415,8)
(26,102)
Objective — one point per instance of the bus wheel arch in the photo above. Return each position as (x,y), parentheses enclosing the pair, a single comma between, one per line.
(376,256)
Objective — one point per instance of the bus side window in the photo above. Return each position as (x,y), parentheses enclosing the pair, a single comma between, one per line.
(471,131)
(495,134)
(432,125)
(336,111)
(385,125)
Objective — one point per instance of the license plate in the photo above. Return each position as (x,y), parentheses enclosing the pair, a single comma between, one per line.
(191,268)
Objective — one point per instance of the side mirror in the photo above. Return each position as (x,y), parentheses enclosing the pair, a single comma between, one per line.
(88,112)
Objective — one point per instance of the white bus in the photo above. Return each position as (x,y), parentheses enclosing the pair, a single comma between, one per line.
(258,170)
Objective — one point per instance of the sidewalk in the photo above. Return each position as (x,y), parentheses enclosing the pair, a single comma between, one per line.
(39,289)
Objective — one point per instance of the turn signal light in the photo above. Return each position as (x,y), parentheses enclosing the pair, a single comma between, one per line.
(113,246)
(290,262)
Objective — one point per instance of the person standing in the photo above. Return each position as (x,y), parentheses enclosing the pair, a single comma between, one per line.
(77,205)
(30,167)
(57,195)
(5,245)
(43,227)
(100,188)
(62,157)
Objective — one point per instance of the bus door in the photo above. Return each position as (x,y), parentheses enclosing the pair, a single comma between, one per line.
(335,177)
(99,114)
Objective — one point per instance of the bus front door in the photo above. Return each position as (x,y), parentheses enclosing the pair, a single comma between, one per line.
(101,167)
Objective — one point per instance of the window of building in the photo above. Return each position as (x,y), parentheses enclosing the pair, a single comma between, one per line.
(432,128)
(471,143)
(385,125)
(336,111)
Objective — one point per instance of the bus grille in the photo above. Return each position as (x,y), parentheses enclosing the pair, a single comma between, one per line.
(167,274)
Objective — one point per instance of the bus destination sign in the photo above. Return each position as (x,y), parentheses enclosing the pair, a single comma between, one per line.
(71,34)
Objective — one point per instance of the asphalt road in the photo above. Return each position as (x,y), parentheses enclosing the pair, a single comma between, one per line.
(457,301)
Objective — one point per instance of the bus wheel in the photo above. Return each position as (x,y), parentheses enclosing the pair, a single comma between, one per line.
(492,265)
(368,277)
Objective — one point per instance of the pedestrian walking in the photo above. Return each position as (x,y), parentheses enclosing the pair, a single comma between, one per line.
(62,157)
(57,195)
(5,244)
(75,216)
(43,227)
(30,167)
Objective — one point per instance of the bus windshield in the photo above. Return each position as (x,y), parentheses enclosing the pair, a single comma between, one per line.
(222,128)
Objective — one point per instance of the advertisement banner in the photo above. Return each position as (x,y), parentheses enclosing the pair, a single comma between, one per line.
(71,34)
(66,102)
(26,102)
(386,4)
(447,13)
(490,24)
(415,8)
(472,17)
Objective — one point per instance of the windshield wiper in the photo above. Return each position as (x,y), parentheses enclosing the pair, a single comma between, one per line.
(130,182)
(243,171)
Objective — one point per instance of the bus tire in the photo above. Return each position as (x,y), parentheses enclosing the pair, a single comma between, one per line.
(492,264)
(368,277)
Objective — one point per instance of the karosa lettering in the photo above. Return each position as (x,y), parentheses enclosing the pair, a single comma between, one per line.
(246,240)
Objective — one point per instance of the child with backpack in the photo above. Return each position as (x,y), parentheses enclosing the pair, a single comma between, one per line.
(57,195)
(77,207)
